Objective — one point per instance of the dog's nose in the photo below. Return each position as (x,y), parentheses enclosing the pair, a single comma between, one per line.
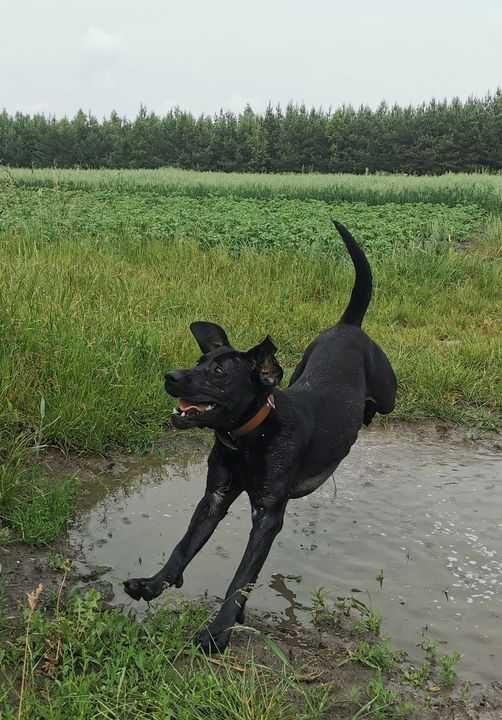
(173,377)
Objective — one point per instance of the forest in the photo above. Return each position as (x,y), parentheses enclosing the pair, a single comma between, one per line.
(432,138)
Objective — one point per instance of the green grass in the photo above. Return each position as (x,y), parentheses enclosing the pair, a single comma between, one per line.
(99,289)
(40,515)
(33,508)
(450,189)
(378,655)
(89,328)
(378,702)
(85,662)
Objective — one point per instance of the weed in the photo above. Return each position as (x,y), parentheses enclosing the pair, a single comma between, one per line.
(322,614)
(378,655)
(33,600)
(418,677)
(447,674)
(32,508)
(380,703)
(431,651)
(59,563)
(370,622)
(437,667)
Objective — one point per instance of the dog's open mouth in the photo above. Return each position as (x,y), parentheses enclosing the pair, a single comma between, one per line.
(186,407)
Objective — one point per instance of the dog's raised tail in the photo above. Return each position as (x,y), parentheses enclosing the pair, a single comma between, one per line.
(361,292)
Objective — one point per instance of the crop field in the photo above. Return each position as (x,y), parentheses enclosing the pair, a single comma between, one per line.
(262,225)
(451,189)
(104,272)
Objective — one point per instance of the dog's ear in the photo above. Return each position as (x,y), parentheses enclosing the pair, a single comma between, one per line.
(262,358)
(209,335)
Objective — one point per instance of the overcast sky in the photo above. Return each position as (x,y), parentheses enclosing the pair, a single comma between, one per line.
(60,55)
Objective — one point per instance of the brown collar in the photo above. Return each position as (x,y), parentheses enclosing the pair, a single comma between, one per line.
(254,422)
(257,419)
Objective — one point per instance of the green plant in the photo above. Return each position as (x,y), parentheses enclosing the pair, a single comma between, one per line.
(436,666)
(40,513)
(380,703)
(418,677)
(447,673)
(15,472)
(371,622)
(450,189)
(58,562)
(378,655)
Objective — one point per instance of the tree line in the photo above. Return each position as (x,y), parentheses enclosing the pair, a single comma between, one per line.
(432,138)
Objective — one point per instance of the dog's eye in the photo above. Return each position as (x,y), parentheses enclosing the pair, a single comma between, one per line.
(219,370)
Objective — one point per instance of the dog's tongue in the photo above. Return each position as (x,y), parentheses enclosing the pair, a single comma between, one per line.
(185,406)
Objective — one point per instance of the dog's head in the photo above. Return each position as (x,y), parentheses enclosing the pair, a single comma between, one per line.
(225,385)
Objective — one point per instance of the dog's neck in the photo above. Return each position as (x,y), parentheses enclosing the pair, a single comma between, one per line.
(229,438)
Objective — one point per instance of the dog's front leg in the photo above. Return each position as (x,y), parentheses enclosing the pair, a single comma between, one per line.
(267,523)
(220,494)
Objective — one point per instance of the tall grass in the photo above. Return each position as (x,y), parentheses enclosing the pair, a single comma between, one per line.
(450,189)
(91,328)
(33,508)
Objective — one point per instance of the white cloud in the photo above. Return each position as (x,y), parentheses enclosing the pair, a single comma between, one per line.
(98,40)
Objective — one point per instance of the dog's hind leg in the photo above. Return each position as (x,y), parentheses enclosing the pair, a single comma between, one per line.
(381,383)
(267,523)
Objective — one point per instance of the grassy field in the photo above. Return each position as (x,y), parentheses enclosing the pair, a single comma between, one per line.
(98,291)
(452,189)
(102,274)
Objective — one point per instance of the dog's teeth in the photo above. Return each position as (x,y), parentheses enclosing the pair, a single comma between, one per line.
(183,414)
(176,411)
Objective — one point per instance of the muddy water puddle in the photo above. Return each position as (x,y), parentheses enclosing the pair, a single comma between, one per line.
(424,513)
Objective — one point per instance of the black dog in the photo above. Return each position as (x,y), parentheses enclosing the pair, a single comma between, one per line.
(274,445)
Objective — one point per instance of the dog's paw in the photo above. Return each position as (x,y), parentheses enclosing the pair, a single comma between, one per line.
(144,588)
(213,639)
(134,588)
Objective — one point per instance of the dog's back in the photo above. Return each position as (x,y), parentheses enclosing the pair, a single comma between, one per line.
(344,377)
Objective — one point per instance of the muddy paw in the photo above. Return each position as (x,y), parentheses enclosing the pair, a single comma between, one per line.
(213,640)
(143,588)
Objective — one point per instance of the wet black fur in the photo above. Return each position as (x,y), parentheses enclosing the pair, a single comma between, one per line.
(343,379)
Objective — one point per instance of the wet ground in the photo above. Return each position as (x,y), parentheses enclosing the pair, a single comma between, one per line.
(412,526)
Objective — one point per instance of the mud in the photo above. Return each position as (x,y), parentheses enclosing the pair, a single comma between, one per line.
(411,524)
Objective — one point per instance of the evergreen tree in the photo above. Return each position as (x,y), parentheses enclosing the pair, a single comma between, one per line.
(435,137)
